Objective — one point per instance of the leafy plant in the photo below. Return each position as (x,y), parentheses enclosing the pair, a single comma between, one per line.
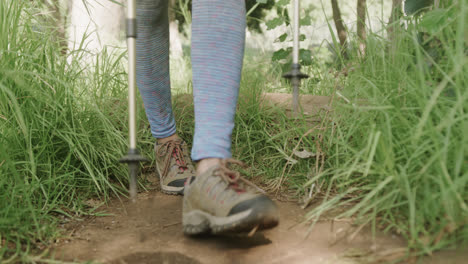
(415,6)
(255,9)
(283,55)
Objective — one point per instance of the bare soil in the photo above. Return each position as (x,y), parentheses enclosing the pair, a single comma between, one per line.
(310,104)
(149,231)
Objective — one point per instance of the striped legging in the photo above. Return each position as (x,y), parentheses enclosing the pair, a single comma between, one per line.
(218,36)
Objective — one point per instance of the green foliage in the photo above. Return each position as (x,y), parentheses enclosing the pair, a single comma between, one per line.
(414,6)
(397,155)
(61,131)
(274,23)
(282,55)
(435,20)
(256,9)
(257,12)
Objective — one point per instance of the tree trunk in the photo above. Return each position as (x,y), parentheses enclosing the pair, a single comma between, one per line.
(394,17)
(361,26)
(340,27)
(59,23)
(54,18)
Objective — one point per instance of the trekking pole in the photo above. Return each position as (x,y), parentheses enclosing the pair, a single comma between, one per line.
(133,157)
(295,75)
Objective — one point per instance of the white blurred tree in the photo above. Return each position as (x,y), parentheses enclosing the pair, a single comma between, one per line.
(97,22)
(100,23)
(174,35)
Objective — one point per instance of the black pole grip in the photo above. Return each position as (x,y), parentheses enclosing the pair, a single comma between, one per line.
(131,26)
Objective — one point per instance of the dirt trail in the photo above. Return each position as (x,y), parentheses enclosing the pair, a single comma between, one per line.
(151,232)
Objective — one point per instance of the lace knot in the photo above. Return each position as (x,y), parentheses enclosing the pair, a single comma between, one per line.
(172,149)
(232,177)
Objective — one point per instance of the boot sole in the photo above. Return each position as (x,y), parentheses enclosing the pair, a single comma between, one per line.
(169,189)
(172,190)
(197,222)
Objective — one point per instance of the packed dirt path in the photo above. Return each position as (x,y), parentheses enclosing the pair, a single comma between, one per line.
(150,232)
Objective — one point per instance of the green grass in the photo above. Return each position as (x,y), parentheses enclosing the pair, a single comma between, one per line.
(62,130)
(394,158)
(398,157)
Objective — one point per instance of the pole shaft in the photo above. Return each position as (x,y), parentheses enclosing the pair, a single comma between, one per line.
(296,31)
(132,92)
(131,9)
(131,44)
(133,171)
(295,82)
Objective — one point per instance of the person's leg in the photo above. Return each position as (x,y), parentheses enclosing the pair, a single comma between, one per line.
(172,159)
(218,36)
(152,58)
(218,200)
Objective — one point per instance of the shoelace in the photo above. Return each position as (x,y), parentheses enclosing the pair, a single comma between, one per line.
(172,149)
(232,177)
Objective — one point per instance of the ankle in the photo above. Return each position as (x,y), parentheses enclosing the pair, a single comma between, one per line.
(169,138)
(205,164)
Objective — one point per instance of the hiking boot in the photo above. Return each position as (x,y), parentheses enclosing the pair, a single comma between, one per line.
(220,201)
(173,165)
